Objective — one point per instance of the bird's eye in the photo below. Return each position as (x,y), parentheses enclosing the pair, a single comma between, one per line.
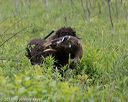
(66,38)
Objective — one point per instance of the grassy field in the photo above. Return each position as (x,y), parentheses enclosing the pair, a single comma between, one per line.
(102,74)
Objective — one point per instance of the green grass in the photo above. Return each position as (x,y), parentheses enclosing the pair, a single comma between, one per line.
(102,74)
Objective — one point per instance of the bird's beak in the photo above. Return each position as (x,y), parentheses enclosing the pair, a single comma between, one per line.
(48,50)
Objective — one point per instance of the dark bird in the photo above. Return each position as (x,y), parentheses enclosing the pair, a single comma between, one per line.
(63,46)
(67,47)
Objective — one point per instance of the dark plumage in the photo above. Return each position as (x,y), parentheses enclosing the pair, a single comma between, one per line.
(63,32)
(64,44)
(37,49)
(67,47)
